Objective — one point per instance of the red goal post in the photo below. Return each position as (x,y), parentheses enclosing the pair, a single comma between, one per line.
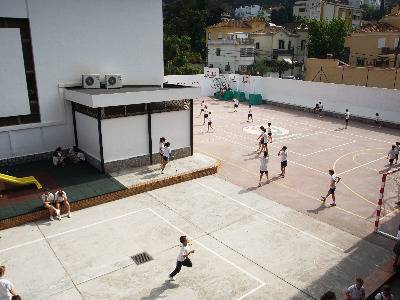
(391,180)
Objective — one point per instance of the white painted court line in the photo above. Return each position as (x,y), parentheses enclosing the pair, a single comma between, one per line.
(262,283)
(362,165)
(69,231)
(268,216)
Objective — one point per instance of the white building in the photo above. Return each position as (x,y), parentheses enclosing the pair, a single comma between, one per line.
(46,46)
(247,11)
(329,11)
(302,8)
(233,54)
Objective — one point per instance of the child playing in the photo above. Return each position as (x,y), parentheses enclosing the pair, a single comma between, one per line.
(283,154)
(261,142)
(347,117)
(202,104)
(250,115)
(166,155)
(264,166)
(334,180)
(264,146)
(269,133)
(209,122)
(391,155)
(161,151)
(377,120)
(236,105)
(356,291)
(183,259)
(205,114)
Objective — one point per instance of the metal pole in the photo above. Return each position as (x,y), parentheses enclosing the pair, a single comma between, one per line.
(100,140)
(74,122)
(149,131)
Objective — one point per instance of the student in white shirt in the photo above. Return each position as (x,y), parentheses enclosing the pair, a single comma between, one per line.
(264,167)
(236,105)
(347,117)
(166,155)
(385,294)
(377,120)
(320,108)
(391,155)
(250,114)
(269,133)
(283,154)
(183,257)
(261,138)
(60,198)
(332,187)
(205,114)
(48,200)
(209,122)
(202,104)
(76,155)
(356,291)
(161,150)
(6,287)
(264,147)
(58,160)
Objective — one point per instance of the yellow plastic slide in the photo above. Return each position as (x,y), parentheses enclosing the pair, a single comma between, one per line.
(20,181)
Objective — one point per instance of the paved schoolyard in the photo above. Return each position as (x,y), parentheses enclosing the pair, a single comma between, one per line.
(315,145)
(246,246)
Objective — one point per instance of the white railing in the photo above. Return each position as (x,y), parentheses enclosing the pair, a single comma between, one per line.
(232,42)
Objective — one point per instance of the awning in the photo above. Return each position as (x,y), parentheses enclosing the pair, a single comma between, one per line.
(289,60)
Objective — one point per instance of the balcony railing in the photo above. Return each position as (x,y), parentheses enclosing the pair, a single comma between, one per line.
(232,42)
(282,51)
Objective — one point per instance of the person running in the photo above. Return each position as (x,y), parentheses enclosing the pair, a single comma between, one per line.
(332,187)
(264,166)
(209,122)
(60,197)
(283,154)
(183,257)
(396,152)
(205,114)
(347,117)
(202,104)
(166,155)
(261,138)
(6,287)
(161,151)
(269,133)
(391,155)
(236,105)
(48,201)
(250,115)
(356,291)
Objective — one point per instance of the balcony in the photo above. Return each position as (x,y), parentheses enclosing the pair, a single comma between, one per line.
(283,51)
(232,42)
(387,50)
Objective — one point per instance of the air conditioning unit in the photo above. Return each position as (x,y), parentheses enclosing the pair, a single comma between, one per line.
(113,81)
(91,81)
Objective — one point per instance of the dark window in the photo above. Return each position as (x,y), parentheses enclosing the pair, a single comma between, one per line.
(360,62)
(302,9)
(303,44)
(209,35)
(227,67)
(257,45)
(244,68)
(34,116)
(281,44)
(218,52)
(210,65)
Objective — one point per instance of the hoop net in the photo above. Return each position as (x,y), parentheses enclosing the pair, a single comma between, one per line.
(388,209)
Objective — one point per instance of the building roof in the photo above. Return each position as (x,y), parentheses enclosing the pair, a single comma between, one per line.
(272,30)
(292,25)
(253,19)
(377,27)
(230,23)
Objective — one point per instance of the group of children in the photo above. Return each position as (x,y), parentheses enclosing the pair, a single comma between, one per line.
(74,154)
(52,202)
(207,115)
(393,154)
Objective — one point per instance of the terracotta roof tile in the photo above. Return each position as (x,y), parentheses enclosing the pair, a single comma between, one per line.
(377,27)
(230,23)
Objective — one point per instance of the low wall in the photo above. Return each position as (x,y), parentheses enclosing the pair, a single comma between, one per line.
(361,101)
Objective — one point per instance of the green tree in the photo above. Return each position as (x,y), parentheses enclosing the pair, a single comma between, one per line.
(278,66)
(370,13)
(326,37)
(260,68)
(281,16)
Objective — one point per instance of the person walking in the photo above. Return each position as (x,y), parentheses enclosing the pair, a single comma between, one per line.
(269,133)
(209,122)
(6,287)
(334,179)
(166,155)
(347,117)
(202,104)
(261,138)
(356,291)
(183,257)
(250,114)
(283,154)
(161,150)
(205,114)
(264,167)
(391,155)
(320,108)
(236,105)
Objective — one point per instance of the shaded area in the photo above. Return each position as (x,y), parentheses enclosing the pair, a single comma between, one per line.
(80,181)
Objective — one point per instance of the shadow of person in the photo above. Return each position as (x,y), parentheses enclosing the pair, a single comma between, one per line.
(318,209)
(156,293)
